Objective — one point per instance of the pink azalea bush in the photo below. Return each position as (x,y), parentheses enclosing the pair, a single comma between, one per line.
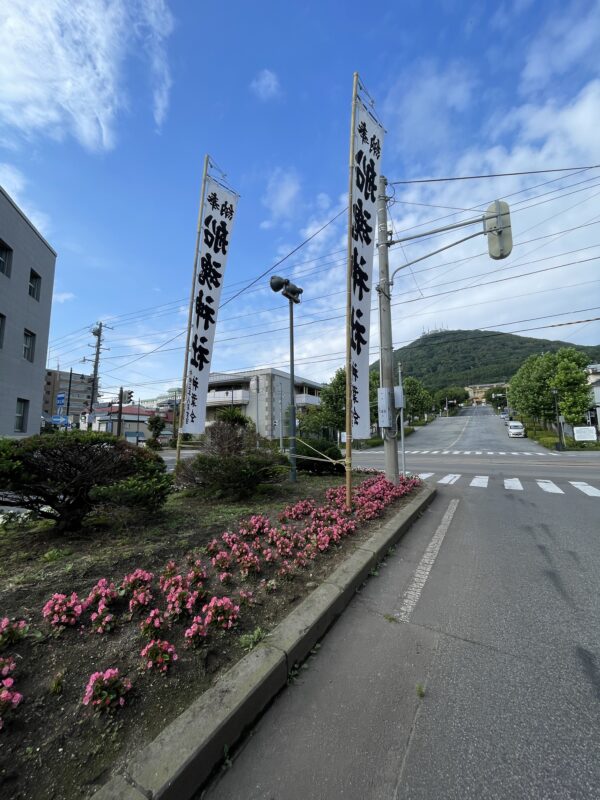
(9,699)
(102,620)
(11,631)
(221,612)
(138,579)
(197,632)
(153,623)
(61,610)
(105,691)
(159,654)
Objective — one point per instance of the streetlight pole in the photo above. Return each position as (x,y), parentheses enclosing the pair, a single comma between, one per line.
(292,293)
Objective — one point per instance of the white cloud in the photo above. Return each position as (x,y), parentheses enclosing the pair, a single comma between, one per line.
(424,104)
(266,85)
(568,40)
(14,182)
(62,69)
(62,297)
(281,197)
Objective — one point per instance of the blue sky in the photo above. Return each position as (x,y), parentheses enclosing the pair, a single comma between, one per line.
(107,108)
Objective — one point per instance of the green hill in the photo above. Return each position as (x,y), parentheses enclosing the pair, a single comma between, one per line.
(447,358)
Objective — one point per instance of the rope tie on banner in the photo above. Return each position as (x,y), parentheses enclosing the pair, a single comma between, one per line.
(314,458)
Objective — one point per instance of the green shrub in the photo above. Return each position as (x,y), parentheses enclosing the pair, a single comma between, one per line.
(306,454)
(153,444)
(235,477)
(54,476)
(137,494)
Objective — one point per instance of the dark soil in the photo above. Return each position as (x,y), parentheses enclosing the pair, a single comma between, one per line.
(52,747)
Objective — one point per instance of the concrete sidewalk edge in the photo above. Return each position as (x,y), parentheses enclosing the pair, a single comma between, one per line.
(185,753)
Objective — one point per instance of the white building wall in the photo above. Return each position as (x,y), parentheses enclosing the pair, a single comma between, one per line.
(20,378)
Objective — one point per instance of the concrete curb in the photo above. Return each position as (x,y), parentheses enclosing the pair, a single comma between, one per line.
(180,759)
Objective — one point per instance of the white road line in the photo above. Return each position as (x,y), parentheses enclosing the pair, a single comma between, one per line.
(525,453)
(548,486)
(466,452)
(513,483)
(449,478)
(586,488)
(480,480)
(445,452)
(423,452)
(425,475)
(434,452)
(500,453)
(456,452)
(489,453)
(514,454)
(478,453)
(413,593)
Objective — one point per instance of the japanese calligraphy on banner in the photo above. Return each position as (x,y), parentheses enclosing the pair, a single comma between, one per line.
(217,216)
(366,146)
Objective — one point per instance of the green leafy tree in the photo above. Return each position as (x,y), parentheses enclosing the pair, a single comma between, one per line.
(333,399)
(156,425)
(417,399)
(570,379)
(233,416)
(530,391)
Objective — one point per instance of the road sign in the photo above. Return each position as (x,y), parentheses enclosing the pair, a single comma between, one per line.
(60,399)
(58,419)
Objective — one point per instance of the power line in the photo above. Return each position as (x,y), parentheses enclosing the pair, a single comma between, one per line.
(493,175)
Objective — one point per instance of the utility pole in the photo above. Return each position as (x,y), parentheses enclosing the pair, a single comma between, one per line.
(386,359)
(97,332)
(120,412)
(69,394)
(280,418)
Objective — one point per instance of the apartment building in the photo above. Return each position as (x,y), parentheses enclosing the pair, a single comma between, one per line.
(66,394)
(26,283)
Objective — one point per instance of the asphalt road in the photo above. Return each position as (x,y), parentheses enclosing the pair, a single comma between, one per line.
(491,603)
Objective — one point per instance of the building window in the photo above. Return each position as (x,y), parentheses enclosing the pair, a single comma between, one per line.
(35,284)
(21,415)
(28,345)
(5,258)
(2,324)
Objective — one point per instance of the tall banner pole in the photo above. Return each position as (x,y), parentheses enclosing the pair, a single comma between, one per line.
(189,327)
(349,305)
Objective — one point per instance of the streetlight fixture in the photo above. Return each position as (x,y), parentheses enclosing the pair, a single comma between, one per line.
(292,292)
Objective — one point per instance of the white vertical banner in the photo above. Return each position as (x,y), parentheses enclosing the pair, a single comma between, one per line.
(367,146)
(217,217)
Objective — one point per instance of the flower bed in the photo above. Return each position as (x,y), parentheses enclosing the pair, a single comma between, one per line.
(173,625)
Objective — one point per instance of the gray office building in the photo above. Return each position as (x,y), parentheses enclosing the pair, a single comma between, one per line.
(26,283)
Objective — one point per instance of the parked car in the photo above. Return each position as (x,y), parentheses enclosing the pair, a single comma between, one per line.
(516,429)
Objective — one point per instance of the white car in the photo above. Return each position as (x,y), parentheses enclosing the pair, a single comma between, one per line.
(516,429)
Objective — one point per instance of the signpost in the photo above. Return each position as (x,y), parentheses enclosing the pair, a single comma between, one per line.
(59,419)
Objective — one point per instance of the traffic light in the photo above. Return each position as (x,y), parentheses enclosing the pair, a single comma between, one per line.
(128,395)
(496,225)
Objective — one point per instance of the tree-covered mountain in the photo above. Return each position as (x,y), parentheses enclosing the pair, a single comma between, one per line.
(463,358)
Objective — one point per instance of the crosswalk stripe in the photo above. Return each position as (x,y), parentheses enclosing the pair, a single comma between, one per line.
(490,453)
(425,475)
(480,480)
(513,483)
(548,486)
(591,491)
(500,453)
(478,453)
(434,452)
(449,478)
(466,452)
(423,452)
